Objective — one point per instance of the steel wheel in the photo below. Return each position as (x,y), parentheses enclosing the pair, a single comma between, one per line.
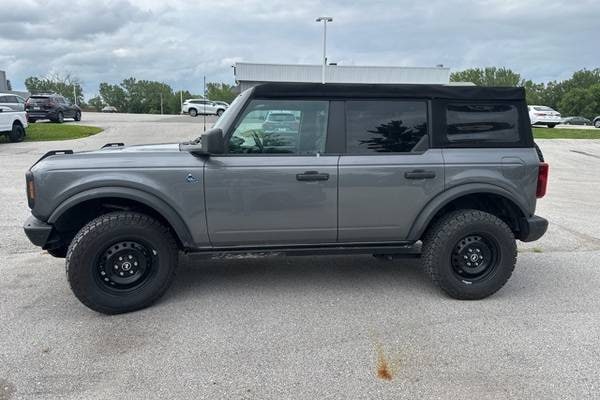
(474,257)
(125,266)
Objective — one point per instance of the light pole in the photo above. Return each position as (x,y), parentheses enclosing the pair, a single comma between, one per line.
(325,21)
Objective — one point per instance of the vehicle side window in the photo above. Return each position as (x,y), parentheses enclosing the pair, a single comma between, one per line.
(20,100)
(385,126)
(281,126)
(482,123)
(4,99)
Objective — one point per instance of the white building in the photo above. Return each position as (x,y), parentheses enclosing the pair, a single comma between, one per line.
(252,74)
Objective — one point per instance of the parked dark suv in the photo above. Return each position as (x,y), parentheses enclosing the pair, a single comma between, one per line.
(446,173)
(51,106)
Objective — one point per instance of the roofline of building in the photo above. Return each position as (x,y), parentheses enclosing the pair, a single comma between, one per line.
(339,66)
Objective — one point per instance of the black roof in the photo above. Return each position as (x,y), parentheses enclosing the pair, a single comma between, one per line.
(354,90)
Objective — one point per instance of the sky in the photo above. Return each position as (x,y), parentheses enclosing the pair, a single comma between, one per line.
(179,42)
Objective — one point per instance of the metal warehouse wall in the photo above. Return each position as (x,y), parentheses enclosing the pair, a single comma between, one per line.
(249,74)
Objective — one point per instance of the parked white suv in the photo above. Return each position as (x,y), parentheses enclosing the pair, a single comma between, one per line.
(12,123)
(13,101)
(195,107)
(543,115)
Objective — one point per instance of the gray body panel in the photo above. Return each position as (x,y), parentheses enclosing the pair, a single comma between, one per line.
(257,200)
(153,175)
(377,202)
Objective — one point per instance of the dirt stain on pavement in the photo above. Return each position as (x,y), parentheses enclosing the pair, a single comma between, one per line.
(385,367)
(6,389)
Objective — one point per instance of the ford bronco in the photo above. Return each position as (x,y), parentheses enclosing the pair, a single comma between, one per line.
(450,174)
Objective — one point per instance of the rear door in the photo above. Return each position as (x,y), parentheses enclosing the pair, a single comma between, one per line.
(388,172)
(274,186)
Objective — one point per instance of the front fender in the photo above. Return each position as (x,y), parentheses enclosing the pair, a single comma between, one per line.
(148,199)
(444,198)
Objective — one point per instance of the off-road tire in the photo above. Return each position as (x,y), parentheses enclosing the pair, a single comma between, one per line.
(17,134)
(193,112)
(86,250)
(441,240)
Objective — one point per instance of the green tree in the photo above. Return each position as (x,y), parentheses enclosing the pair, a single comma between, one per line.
(65,85)
(488,76)
(581,101)
(114,95)
(220,92)
(96,103)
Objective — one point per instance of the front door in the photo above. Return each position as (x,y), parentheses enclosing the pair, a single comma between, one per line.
(387,173)
(274,185)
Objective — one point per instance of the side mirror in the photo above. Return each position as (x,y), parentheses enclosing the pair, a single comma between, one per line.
(213,141)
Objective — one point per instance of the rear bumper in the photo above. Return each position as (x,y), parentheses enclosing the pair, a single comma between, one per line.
(532,228)
(38,232)
(41,115)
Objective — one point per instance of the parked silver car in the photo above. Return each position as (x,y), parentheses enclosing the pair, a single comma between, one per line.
(13,101)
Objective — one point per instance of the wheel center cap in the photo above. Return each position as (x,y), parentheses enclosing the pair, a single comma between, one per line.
(474,258)
(126,266)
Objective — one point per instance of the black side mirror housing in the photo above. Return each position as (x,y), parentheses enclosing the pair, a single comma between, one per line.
(213,141)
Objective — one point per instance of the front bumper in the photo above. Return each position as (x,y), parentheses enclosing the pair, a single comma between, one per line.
(532,228)
(38,232)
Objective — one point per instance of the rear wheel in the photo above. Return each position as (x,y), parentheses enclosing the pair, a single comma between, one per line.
(77,116)
(597,123)
(193,112)
(17,134)
(220,112)
(469,254)
(60,117)
(121,262)
(551,125)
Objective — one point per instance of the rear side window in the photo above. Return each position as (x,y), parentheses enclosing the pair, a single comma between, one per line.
(385,126)
(478,124)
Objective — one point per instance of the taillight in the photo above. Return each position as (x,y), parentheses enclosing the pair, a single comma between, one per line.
(542,181)
(30,189)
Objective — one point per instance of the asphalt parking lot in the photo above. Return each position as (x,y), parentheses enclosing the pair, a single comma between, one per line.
(309,327)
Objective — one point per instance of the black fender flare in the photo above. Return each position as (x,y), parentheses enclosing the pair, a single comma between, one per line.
(160,206)
(444,198)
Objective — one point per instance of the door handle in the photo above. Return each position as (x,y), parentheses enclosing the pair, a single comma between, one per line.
(312,176)
(419,174)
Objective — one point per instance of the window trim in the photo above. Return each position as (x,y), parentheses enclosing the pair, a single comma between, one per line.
(440,138)
(428,118)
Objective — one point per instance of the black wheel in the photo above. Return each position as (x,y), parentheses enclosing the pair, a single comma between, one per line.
(60,252)
(220,112)
(60,117)
(469,254)
(193,112)
(77,116)
(121,262)
(17,134)
(551,125)
(597,123)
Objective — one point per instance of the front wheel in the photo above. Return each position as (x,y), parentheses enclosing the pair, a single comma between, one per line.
(193,112)
(597,124)
(121,262)
(551,125)
(77,116)
(60,117)
(17,134)
(469,254)
(220,112)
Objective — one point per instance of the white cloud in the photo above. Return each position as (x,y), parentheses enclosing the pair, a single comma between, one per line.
(180,41)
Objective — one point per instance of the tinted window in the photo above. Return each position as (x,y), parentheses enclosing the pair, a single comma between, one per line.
(484,123)
(4,99)
(38,100)
(385,126)
(302,130)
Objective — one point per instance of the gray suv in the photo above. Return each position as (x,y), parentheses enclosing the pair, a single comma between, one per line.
(448,174)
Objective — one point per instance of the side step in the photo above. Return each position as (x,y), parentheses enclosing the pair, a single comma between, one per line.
(388,251)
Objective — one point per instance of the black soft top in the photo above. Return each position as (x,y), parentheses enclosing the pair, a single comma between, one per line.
(358,90)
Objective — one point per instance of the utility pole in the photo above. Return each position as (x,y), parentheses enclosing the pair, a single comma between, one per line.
(161,104)
(181,102)
(325,21)
(75,93)
(204,113)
